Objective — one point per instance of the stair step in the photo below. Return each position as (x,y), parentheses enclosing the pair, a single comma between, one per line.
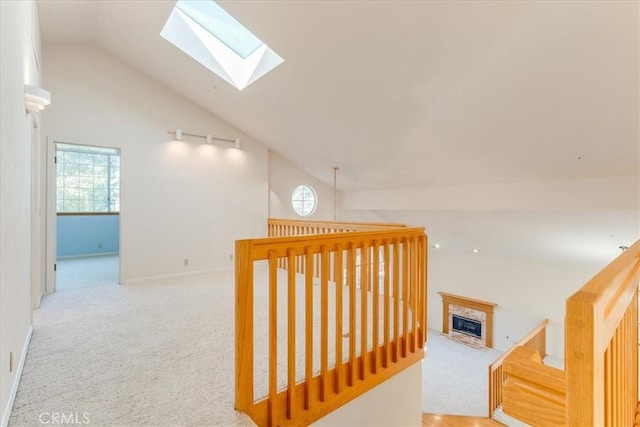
(444,420)
(507,420)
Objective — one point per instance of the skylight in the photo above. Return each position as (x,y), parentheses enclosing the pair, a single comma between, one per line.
(215,39)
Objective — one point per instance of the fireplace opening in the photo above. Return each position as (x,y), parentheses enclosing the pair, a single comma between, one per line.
(467,326)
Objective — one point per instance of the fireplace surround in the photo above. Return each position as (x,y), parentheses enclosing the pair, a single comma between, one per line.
(467,320)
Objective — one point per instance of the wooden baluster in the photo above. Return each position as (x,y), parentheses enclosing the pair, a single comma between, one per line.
(608,384)
(425,286)
(376,297)
(308,337)
(339,288)
(387,291)
(396,299)
(324,322)
(405,297)
(364,290)
(291,335)
(273,339)
(633,339)
(413,294)
(615,398)
(351,276)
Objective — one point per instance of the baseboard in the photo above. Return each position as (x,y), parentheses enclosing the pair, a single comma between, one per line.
(16,380)
(88,255)
(174,275)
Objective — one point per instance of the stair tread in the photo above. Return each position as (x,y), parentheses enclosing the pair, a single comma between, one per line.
(444,420)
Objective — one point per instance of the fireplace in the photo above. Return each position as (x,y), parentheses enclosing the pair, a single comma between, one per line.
(467,320)
(466,326)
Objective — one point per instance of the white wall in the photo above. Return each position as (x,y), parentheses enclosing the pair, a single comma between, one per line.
(179,199)
(526,292)
(284,176)
(17,67)
(396,402)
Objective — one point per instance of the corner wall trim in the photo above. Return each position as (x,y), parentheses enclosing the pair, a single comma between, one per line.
(16,380)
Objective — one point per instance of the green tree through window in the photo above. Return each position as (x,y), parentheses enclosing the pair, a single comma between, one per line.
(88,178)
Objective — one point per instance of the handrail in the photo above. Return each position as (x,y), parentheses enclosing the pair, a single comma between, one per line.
(348,325)
(601,356)
(536,339)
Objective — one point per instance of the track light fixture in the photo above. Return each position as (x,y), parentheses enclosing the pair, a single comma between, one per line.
(179,133)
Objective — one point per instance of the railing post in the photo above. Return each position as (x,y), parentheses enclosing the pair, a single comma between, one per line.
(244,325)
(584,363)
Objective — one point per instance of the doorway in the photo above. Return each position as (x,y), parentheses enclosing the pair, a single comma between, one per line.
(87,223)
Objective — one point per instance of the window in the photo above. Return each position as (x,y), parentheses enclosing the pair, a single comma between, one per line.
(304,200)
(208,34)
(88,179)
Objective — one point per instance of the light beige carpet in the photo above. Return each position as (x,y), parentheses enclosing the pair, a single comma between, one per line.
(150,354)
(143,354)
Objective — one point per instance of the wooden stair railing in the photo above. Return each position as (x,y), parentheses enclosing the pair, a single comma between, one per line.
(601,355)
(601,345)
(536,340)
(379,307)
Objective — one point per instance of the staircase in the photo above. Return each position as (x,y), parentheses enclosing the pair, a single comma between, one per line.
(441,420)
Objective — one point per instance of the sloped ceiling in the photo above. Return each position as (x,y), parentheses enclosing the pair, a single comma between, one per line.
(414,95)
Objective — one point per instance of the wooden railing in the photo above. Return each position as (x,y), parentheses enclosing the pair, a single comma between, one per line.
(601,345)
(355,317)
(601,357)
(296,227)
(536,340)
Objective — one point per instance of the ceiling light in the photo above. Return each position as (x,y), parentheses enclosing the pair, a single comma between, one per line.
(35,98)
(437,246)
(475,250)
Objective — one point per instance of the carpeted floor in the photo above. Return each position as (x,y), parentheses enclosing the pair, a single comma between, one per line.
(454,377)
(144,354)
(84,272)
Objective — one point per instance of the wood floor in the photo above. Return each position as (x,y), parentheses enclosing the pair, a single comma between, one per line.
(438,420)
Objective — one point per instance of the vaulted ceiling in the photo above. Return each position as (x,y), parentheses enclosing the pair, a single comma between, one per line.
(417,95)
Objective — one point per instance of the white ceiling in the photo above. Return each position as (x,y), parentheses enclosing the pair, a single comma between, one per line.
(410,94)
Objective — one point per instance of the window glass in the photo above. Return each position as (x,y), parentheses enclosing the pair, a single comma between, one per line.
(87,178)
(304,200)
